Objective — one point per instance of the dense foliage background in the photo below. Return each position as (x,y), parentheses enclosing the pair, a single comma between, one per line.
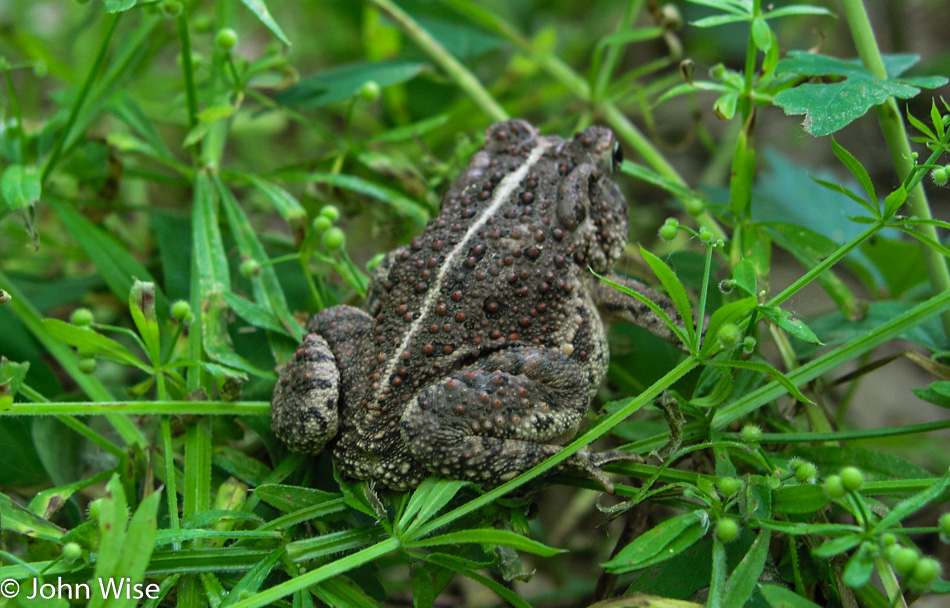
(183,181)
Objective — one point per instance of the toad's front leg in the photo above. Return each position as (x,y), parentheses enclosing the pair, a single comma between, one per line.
(502,416)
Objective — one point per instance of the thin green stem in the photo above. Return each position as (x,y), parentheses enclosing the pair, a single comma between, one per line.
(80,99)
(613,53)
(139,408)
(452,66)
(895,135)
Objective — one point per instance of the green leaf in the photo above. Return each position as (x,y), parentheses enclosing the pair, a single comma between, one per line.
(260,11)
(858,570)
(343,592)
(761,34)
(836,546)
(651,546)
(142,307)
(213,113)
(938,393)
(674,288)
(717,20)
(21,186)
(780,597)
(894,201)
(138,546)
(88,341)
(488,536)
(744,276)
(117,6)
(678,331)
(794,327)
(21,521)
(401,204)
(730,313)
(251,582)
(284,202)
(765,368)
(427,499)
(859,172)
(465,568)
(830,107)
(743,579)
(343,82)
(293,498)
(905,508)
(797,9)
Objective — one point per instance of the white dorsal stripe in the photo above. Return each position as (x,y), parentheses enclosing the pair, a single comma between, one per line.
(504,190)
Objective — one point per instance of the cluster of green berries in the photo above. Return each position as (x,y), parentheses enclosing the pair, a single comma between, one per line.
(333,236)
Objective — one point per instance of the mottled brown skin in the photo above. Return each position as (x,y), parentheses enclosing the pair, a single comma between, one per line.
(481,345)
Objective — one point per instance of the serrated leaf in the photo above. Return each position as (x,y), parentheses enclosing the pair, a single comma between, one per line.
(260,11)
(21,186)
(831,106)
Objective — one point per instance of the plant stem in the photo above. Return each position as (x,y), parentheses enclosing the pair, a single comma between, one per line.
(452,66)
(139,408)
(80,98)
(895,135)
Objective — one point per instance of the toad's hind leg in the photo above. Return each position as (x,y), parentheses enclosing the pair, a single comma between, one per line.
(502,416)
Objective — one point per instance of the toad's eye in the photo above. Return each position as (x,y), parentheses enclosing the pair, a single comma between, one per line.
(616,157)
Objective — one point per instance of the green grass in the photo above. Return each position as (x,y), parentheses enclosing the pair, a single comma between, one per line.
(172,203)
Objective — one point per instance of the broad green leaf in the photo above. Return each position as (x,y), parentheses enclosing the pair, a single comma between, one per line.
(730,313)
(21,186)
(794,327)
(830,107)
(343,82)
(674,288)
(756,499)
(650,547)
(88,341)
(744,276)
(780,597)
(761,34)
(894,201)
(117,6)
(488,536)
(938,393)
(743,579)
(859,172)
(21,521)
(260,11)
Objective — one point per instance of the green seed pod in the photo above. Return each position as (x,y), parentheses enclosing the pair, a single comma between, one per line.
(852,478)
(226,38)
(834,488)
(334,238)
(81,317)
(727,530)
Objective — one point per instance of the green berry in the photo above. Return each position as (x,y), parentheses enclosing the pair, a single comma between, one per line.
(250,268)
(705,236)
(171,8)
(940,175)
(905,560)
(322,223)
(201,23)
(334,238)
(852,478)
(888,539)
(727,530)
(226,38)
(331,212)
(834,487)
(180,310)
(748,344)
(81,317)
(370,90)
(728,486)
(668,232)
(890,551)
(751,434)
(729,335)
(806,473)
(694,206)
(94,509)
(71,552)
(925,571)
(945,523)
(87,365)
